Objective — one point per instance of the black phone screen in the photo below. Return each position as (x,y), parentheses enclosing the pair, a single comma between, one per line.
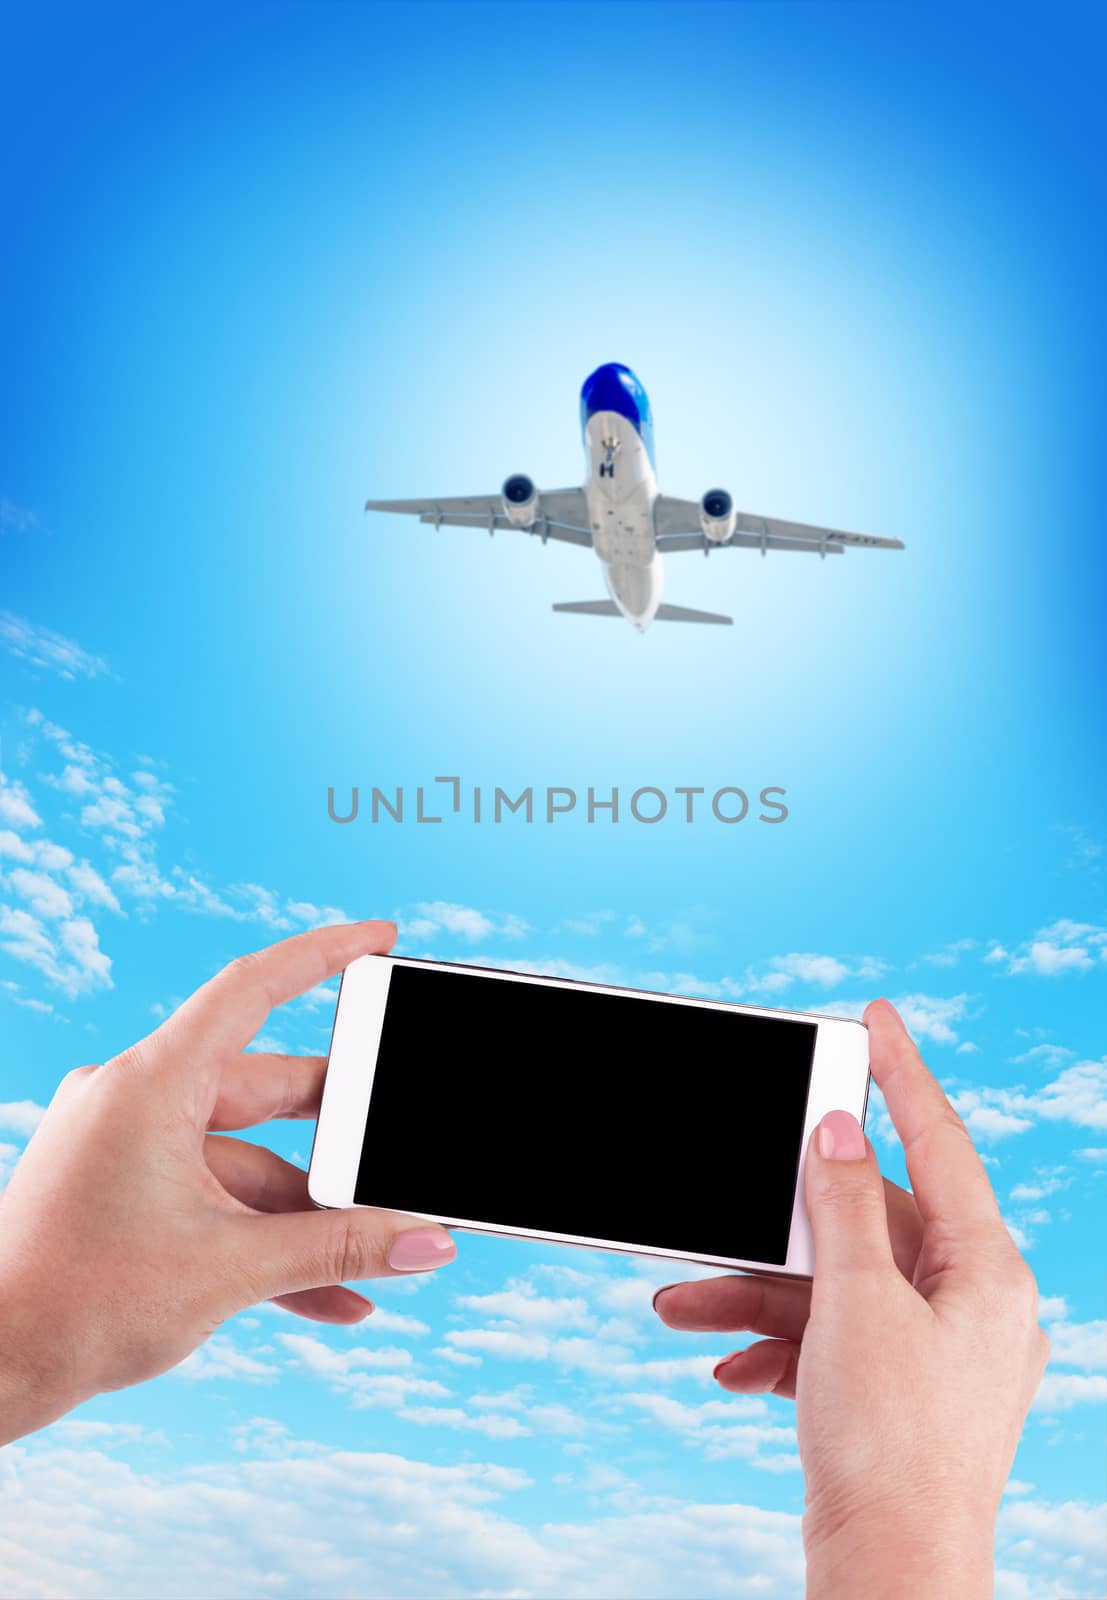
(569,1111)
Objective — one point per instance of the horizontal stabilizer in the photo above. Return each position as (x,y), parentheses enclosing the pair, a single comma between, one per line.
(590,608)
(685,614)
(608,608)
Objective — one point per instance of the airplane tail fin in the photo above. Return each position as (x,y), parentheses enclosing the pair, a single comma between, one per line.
(608,608)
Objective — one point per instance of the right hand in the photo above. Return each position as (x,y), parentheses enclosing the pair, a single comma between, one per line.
(913,1355)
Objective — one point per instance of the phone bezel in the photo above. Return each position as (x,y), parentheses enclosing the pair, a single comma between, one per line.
(839,1080)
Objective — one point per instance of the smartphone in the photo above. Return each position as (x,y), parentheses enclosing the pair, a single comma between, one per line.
(577,1113)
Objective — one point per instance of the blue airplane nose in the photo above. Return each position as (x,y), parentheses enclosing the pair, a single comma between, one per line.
(614,387)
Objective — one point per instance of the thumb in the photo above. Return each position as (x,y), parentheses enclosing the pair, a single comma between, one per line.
(289,1251)
(845,1200)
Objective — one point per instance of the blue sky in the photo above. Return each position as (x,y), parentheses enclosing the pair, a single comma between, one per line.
(260,266)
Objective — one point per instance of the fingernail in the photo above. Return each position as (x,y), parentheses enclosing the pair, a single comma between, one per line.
(841,1138)
(725,1362)
(665,1287)
(418,1249)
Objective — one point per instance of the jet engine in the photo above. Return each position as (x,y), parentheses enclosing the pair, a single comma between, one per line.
(717,516)
(520,499)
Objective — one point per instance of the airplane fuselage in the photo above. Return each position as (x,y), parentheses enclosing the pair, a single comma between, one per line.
(619,513)
(620,489)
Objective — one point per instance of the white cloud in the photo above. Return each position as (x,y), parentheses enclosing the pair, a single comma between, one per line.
(113,814)
(821,971)
(80,941)
(385,1321)
(1049,960)
(493,1426)
(52,857)
(15,805)
(335,1525)
(1060,1391)
(521,1304)
(12,846)
(459,1358)
(43,894)
(327,1362)
(1046,1055)
(80,1430)
(950,955)
(1045,1183)
(723,1429)
(1068,1527)
(1023,1240)
(557,1419)
(1079,1344)
(1078,1094)
(986,1121)
(586,1355)
(1096,1154)
(219,1358)
(88,883)
(1052,1308)
(668,1369)
(551,967)
(926,1016)
(590,926)
(632,1294)
(71,959)
(440,916)
(42,647)
(74,779)
(9,1155)
(21,1116)
(1064,946)
(493,1342)
(403,1394)
(772,977)
(932,1016)
(313,916)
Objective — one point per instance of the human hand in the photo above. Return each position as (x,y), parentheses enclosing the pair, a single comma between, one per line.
(913,1355)
(131,1229)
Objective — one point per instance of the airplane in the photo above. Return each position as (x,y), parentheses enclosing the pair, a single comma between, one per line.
(621,515)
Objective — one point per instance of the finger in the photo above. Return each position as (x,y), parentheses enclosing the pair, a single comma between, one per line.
(905,1227)
(282,1254)
(258,1177)
(767,1367)
(335,1304)
(227,1012)
(845,1203)
(263,1087)
(776,1307)
(947,1175)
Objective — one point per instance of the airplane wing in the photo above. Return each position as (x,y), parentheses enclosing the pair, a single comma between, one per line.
(562,514)
(677,527)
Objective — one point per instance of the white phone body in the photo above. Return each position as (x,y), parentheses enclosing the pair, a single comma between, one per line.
(839,1080)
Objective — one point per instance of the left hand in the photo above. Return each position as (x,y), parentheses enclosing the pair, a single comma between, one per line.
(131,1229)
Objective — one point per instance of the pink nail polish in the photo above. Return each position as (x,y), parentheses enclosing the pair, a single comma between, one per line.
(420,1249)
(841,1138)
